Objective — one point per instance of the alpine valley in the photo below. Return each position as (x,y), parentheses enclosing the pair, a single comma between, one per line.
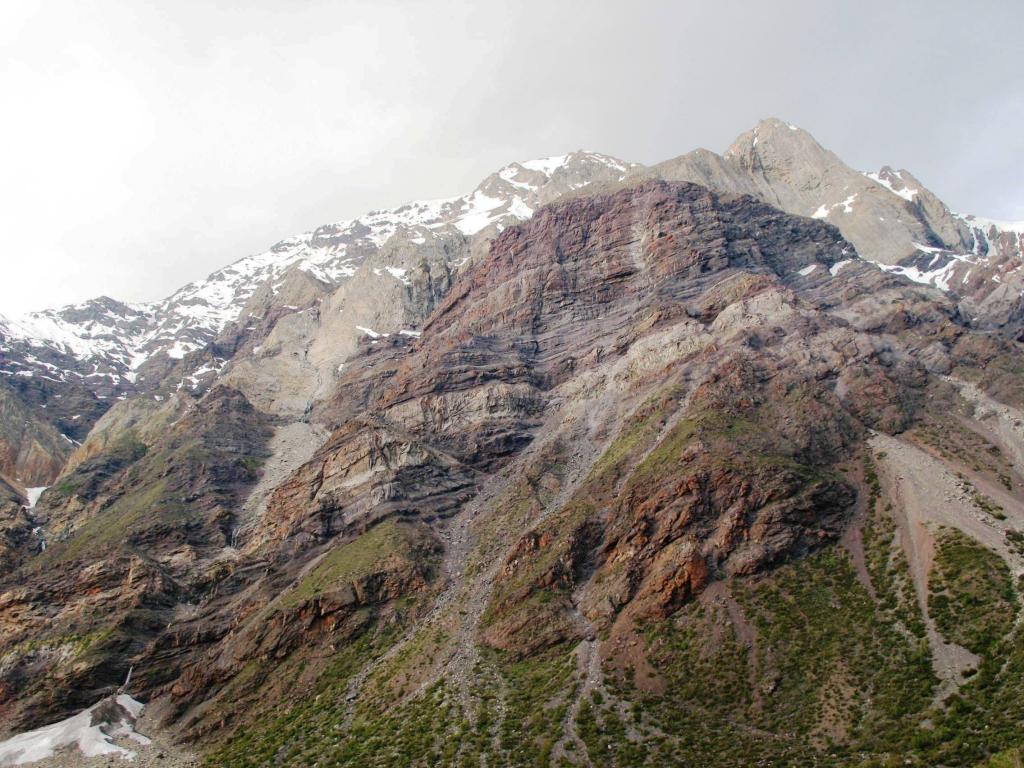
(715,462)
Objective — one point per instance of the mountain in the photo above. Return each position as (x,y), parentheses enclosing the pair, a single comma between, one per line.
(889,216)
(77,361)
(660,471)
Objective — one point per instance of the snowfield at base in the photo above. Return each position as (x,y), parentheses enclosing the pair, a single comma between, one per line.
(77,731)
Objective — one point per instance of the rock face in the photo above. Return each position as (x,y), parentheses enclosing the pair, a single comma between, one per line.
(16,539)
(32,452)
(420,486)
(280,324)
(133,532)
(889,216)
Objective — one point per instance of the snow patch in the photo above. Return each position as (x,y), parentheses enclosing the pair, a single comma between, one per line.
(1016,227)
(546,165)
(372,333)
(92,740)
(824,210)
(939,277)
(125,336)
(905,192)
(808,269)
(34,494)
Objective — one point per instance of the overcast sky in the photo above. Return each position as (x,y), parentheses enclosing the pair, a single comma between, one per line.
(142,147)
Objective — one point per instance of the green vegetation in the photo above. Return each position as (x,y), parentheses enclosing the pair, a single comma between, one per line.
(971,595)
(808,664)
(805,668)
(114,524)
(387,545)
(295,734)
(1015,540)
(980,500)
(1011,758)
(432,729)
(606,731)
(847,671)
(886,562)
(984,718)
(88,477)
(190,477)
(831,677)
(800,667)
(536,700)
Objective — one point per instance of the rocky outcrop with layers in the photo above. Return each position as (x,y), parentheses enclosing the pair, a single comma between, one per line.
(638,403)
(889,216)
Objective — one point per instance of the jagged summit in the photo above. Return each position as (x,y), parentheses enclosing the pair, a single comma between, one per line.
(125,336)
(889,215)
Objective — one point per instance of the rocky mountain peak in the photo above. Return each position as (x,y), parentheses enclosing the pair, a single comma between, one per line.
(774,140)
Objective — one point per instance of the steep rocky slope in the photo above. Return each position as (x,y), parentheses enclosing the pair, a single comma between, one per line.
(280,323)
(288,317)
(32,452)
(622,496)
(889,216)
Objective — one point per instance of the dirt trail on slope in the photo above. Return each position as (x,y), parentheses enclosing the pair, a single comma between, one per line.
(853,537)
(926,495)
(291,446)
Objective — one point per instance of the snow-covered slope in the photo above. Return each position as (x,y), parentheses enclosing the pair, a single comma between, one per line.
(93,732)
(115,339)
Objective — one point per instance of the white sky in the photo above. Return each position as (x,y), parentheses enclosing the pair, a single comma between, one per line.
(142,147)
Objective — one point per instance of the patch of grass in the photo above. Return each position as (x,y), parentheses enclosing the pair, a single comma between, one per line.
(1015,540)
(537,692)
(980,500)
(832,679)
(971,596)
(982,721)
(1011,758)
(113,525)
(886,562)
(819,621)
(387,545)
